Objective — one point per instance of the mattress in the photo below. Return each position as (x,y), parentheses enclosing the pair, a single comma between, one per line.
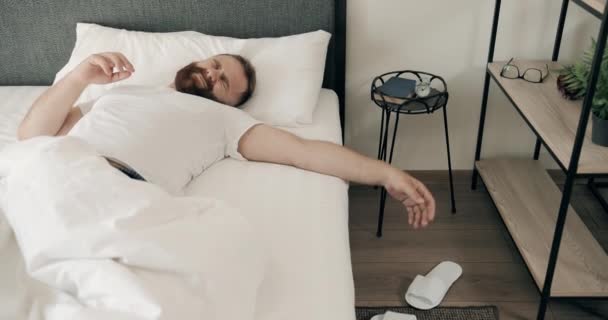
(303,217)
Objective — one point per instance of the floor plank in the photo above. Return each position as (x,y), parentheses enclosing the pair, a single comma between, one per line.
(475,209)
(494,273)
(457,245)
(489,282)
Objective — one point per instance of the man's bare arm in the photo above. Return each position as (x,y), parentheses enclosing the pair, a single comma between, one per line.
(268,144)
(49,111)
(52,113)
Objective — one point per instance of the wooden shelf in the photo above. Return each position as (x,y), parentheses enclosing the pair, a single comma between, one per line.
(595,7)
(552,117)
(528,201)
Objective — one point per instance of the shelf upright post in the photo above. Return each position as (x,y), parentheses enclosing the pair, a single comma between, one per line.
(573,166)
(486,88)
(560,30)
(555,56)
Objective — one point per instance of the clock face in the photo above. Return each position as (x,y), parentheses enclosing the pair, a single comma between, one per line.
(423,89)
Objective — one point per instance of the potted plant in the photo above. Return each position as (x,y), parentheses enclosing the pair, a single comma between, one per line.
(573,82)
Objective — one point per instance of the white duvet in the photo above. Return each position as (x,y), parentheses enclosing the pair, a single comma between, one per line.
(115,248)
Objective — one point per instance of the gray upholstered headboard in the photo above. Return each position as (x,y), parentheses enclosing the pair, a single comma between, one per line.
(37,37)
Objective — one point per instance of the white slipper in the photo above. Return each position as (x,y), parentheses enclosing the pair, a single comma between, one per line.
(389,315)
(426,292)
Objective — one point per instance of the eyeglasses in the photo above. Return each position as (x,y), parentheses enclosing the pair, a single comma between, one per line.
(511,71)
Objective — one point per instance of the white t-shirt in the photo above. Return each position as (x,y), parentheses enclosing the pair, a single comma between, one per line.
(167,136)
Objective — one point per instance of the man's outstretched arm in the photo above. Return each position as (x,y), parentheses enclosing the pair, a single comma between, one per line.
(52,109)
(268,144)
(52,113)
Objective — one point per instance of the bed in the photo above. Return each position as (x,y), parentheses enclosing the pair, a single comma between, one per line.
(309,275)
(303,215)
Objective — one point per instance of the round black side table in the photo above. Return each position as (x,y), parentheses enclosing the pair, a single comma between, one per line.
(436,99)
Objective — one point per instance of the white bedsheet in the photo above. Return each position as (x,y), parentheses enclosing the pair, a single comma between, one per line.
(303,217)
(118,248)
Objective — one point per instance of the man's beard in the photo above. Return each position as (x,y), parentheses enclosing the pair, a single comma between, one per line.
(186,82)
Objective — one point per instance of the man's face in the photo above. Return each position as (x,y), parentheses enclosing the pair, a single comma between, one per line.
(220,78)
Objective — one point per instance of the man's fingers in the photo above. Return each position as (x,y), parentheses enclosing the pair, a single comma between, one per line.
(417,217)
(120,75)
(431,209)
(424,221)
(410,216)
(116,61)
(126,62)
(429,201)
(104,64)
(416,198)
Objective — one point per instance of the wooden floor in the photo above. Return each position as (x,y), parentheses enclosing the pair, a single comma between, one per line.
(475,237)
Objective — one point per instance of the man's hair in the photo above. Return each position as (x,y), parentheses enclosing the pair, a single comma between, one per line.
(249,74)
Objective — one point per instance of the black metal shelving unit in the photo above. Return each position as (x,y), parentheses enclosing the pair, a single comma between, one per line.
(570,166)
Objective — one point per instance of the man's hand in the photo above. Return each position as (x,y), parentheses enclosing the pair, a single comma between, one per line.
(103,68)
(414,196)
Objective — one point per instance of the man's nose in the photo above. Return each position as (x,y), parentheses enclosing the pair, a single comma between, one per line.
(212,76)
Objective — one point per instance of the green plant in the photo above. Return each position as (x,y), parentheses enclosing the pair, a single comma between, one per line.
(573,81)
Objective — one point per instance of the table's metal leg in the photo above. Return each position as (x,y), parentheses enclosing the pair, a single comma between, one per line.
(381,214)
(381,134)
(380,137)
(447,143)
(390,158)
(384,147)
(384,136)
(385,139)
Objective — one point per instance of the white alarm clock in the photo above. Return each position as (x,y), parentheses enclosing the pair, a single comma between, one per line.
(423,89)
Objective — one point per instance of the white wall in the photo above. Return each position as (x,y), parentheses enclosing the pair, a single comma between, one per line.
(384,35)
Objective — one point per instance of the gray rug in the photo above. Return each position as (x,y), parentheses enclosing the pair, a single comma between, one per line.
(441,313)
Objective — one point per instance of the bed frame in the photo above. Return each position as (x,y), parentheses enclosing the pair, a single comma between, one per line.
(37,37)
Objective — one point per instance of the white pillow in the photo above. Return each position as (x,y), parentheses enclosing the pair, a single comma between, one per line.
(289,69)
